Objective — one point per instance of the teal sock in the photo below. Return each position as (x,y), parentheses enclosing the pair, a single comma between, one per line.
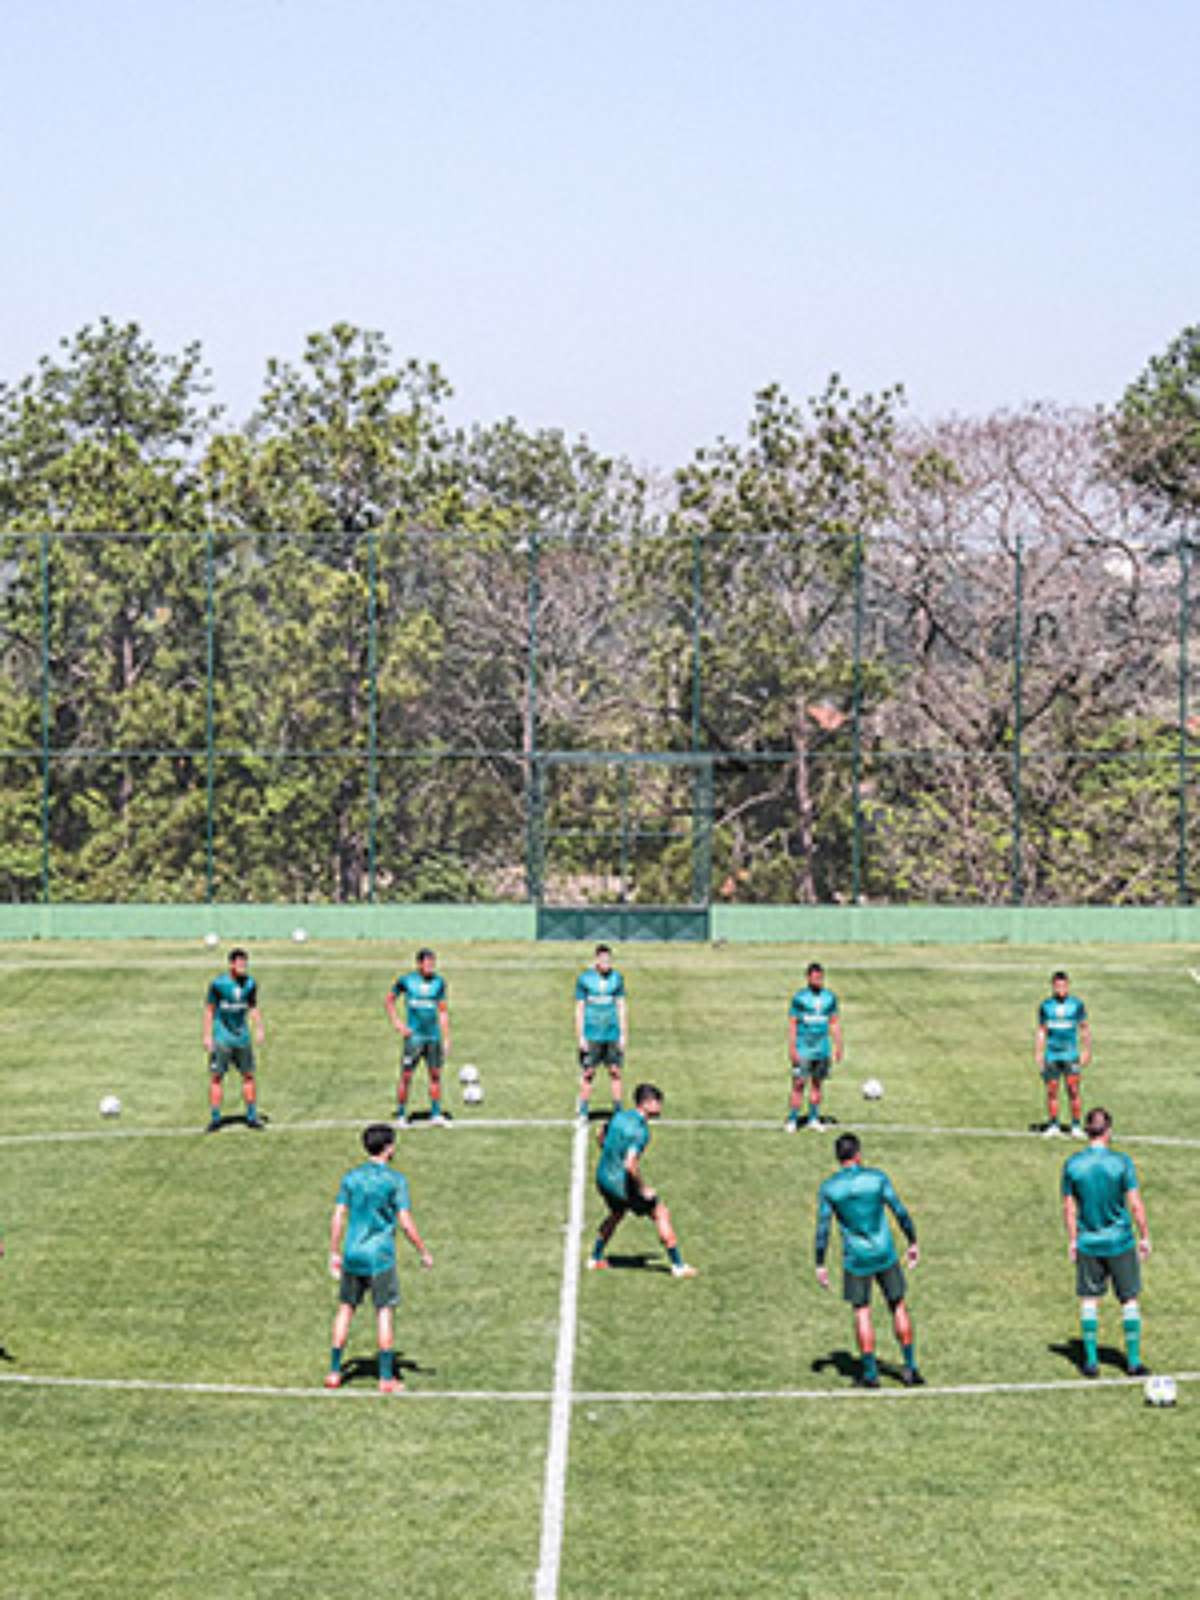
(616,1105)
(1090,1328)
(870,1369)
(335,1358)
(673,1252)
(435,1106)
(598,1248)
(1133,1338)
(794,1113)
(252,1113)
(387,1364)
(814,1111)
(910,1355)
(215,1114)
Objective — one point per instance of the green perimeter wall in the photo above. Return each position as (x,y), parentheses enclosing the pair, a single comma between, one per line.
(811,925)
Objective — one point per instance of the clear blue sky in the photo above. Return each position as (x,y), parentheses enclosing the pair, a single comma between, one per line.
(620,217)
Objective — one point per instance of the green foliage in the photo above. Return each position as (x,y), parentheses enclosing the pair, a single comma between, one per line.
(1157,427)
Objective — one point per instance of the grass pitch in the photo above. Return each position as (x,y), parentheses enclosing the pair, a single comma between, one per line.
(143,1252)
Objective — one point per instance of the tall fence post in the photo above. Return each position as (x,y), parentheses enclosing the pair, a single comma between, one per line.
(372,710)
(534,820)
(44,565)
(702,774)
(856,726)
(209,718)
(1184,621)
(1017,886)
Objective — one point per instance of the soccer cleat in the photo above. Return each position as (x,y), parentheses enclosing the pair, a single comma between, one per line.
(1090,1369)
(1138,1371)
(683,1271)
(791,1125)
(912,1379)
(253,1122)
(333,1380)
(213,1127)
(442,1120)
(1077,1131)
(402,1119)
(391,1386)
(815,1125)
(866,1383)
(1052,1131)
(597,1264)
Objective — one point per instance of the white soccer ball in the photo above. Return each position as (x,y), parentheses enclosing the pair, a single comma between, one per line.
(299,935)
(1160,1390)
(468,1074)
(212,940)
(472,1093)
(110,1106)
(872,1089)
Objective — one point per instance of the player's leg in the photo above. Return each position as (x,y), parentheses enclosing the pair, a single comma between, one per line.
(1126,1275)
(218,1063)
(796,1102)
(1091,1281)
(587,1080)
(403,1089)
(604,1233)
(1050,1077)
(864,1333)
(385,1291)
(893,1286)
(1075,1095)
(432,1051)
(666,1233)
(245,1065)
(614,1078)
(818,1071)
(349,1295)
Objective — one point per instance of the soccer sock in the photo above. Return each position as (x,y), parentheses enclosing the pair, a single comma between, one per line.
(673,1253)
(870,1367)
(1089,1326)
(335,1358)
(598,1248)
(387,1365)
(1132,1320)
(909,1351)
(435,1105)
(814,1111)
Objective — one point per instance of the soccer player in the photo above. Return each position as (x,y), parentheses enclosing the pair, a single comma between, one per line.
(622,1184)
(856,1196)
(230,1007)
(1062,1048)
(600,1026)
(813,1025)
(425,1031)
(370,1202)
(1099,1192)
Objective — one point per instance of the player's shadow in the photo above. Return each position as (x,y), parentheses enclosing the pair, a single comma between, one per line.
(643,1262)
(237,1120)
(842,1362)
(1072,1351)
(365,1369)
(6,1354)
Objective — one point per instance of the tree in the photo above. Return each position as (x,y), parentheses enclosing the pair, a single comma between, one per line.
(1157,427)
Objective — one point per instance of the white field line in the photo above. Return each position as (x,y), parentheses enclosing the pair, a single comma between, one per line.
(1194,974)
(580,1397)
(462,1125)
(554,1493)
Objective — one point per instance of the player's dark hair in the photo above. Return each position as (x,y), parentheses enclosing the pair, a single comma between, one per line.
(1098,1122)
(422,954)
(813,966)
(1055,976)
(237,955)
(603,950)
(646,1091)
(846,1147)
(377,1137)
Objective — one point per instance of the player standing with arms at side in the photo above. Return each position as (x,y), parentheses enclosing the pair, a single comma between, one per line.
(600,1027)
(230,1007)
(1099,1192)
(370,1202)
(856,1196)
(1062,1048)
(622,1185)
(813,1026)
(425,1031)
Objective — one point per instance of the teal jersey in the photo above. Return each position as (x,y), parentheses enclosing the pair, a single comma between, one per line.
(857,1197)
(1099,1180)
(1061,1020)
(423,999)
(812,1009)
(600,993)
(232,1000)
(374,1196)
(627,1131)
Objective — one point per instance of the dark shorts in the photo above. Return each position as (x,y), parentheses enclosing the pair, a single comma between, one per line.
(1060,1069)
(418,1050)
(814,1067)
(225,1056)
(629,1200)
(384,1287)
(856,1288)
(1092,1274)
(602,1053)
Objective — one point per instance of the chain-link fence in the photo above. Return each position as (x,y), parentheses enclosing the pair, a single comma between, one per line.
(677,719)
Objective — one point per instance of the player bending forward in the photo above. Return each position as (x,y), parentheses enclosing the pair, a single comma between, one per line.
(1100,1190)
(856,1196)
(370,1202)
(622,1185)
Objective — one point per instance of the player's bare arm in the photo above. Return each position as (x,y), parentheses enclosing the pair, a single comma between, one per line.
(579,1009)
(1071,1219)
(792,1050)
(257,1023)
(336,1223)
(622,1021)
(1138,1212)
(389,1004)
(208,1028)
(835,1031)
(1085,1043)
(444,1025)
(409,1228)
